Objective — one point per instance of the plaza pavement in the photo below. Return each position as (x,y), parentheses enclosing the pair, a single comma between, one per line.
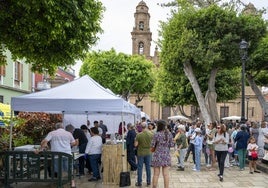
(184,179)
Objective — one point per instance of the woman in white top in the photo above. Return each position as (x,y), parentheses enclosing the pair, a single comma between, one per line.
(221,141)
(94,149)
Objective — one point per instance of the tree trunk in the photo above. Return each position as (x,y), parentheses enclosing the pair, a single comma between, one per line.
(139,98)
(211,96)
(175,109)
(258,93)
(199,96)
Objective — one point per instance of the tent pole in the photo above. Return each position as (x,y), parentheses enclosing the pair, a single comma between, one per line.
(11,129)
(123,135)
(63,118)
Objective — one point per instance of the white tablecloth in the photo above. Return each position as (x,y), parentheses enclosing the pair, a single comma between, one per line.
(27,148)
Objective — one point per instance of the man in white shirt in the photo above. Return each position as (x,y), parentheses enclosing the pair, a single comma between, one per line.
(60,141)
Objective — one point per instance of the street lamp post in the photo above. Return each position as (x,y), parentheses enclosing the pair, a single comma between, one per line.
(247,99)
(243,51)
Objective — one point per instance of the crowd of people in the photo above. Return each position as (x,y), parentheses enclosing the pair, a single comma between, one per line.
(149,144)
(227,143)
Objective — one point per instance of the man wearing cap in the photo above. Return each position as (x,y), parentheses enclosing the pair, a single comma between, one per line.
(182,146)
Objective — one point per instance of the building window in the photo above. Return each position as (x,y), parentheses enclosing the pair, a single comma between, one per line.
(251,112)
(224,111)
(1,98)
(18,77)
(141,26)
(141,48)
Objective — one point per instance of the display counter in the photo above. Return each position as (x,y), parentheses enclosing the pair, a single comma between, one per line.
(114,161)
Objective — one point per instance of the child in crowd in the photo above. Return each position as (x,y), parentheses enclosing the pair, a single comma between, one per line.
(252,155)
(198,147)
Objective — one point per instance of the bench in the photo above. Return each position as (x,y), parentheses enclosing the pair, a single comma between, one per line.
(26,166)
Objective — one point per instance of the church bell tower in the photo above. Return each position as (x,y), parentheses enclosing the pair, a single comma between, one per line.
(141,34)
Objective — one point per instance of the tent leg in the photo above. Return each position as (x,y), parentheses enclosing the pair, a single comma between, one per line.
(123,143)
(11,129)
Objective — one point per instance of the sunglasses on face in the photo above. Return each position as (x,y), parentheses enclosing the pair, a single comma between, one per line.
(218,127)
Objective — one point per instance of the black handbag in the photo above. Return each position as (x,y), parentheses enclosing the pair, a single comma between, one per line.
(124,179)
(265,146)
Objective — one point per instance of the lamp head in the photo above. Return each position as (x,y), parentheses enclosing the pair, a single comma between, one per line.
(243,49)
(243,45)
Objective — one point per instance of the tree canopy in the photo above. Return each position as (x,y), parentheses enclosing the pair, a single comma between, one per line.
(123,74)
(202,42)
(49,33)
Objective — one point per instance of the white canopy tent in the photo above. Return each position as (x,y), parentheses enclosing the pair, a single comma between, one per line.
(232,118)
(143,114)
(178,117)
(83,96)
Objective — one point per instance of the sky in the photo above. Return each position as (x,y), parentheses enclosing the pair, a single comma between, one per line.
(118,22)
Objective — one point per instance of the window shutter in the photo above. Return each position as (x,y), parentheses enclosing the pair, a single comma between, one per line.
(21,72)
(2,70)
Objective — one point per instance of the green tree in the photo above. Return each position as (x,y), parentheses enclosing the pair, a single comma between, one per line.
(178,91)
(123,74)
(49,33)
(257,71)
(205,40)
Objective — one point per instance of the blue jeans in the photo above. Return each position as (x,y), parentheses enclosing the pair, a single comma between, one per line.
(197,159)
(64,164)
(147,161)
(94,163)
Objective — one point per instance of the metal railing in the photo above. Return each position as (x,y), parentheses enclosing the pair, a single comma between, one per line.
(26,166)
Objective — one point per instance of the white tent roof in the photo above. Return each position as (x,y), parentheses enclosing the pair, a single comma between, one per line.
(83,95)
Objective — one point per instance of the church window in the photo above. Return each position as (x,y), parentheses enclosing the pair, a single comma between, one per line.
(141,48)
(141,25)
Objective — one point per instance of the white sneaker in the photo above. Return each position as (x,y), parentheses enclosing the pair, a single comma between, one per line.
(196,170)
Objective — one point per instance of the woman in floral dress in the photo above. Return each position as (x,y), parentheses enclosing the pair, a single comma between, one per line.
(162,141)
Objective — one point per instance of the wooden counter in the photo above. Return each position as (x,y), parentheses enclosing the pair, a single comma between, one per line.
(114,161)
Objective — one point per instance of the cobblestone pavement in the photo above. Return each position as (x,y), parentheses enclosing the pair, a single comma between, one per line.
(188,178)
